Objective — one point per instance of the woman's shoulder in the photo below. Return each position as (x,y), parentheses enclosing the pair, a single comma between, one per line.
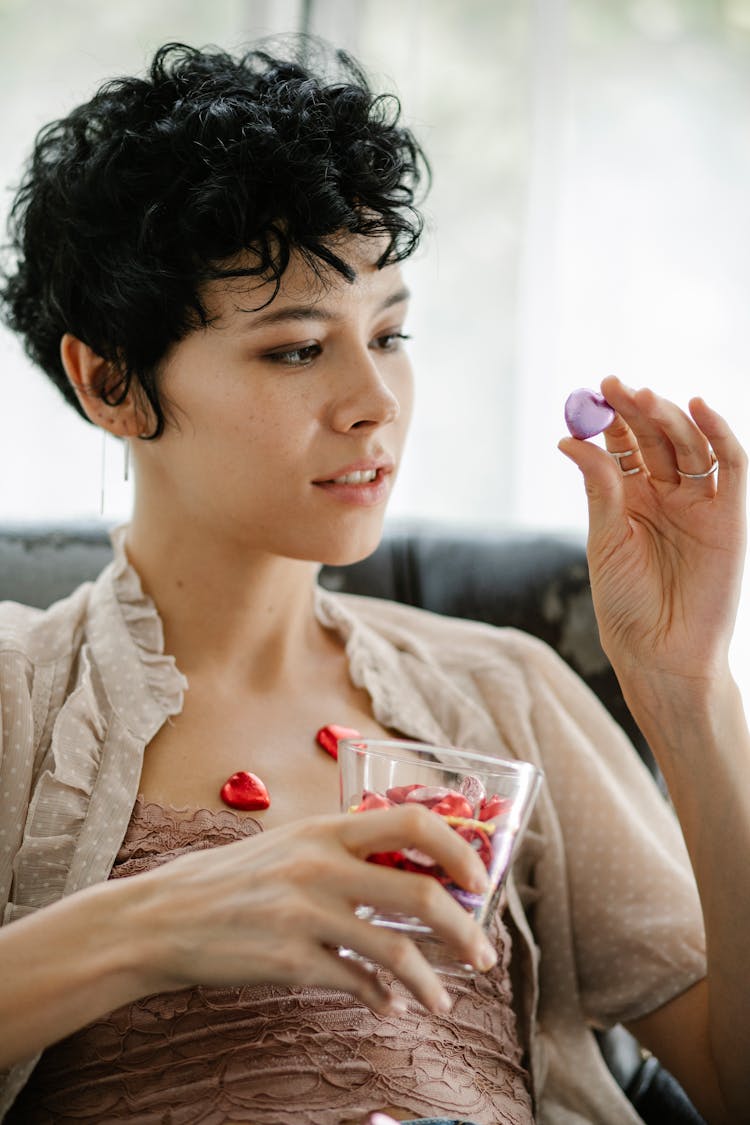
(470,659)
(445,639)
(504,670)
(42,636)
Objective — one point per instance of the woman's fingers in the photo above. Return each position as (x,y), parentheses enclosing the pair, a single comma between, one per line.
(327,967)
(623,448)
(653,441)
(654,447)
(397,953)
(413,826)
(411,894)
(281,903)
(621,441)
(655,436)
(732,477)
(667,438)
(345,974)
(672,445)
(686,448)
(422,896)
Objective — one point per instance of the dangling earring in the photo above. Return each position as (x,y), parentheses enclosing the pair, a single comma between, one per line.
(103,472)
(126,461)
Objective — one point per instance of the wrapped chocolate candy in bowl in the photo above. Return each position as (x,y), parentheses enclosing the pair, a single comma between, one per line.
(487,801)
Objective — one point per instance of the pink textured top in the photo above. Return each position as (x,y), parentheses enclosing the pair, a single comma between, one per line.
(271,1055)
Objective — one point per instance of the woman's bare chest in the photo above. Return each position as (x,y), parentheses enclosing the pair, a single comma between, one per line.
(192,756)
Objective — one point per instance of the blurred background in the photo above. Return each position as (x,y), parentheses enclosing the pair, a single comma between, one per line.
(590,215)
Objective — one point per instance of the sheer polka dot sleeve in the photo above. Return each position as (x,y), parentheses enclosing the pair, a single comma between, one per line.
(637,927)
(16,759)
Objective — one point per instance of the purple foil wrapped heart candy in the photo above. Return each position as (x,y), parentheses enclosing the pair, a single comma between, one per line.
(587,413)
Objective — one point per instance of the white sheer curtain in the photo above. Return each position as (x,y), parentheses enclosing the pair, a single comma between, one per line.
(51,58)
(635,251)
(591,201)
(589,215)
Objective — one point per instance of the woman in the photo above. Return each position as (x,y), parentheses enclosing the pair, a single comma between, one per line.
(208,267)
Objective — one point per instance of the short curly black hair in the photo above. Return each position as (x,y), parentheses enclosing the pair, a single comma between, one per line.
(139,197)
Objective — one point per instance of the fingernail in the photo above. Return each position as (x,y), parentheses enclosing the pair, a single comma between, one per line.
(487,956)
(397,1005)
(479,881)
(444,1002)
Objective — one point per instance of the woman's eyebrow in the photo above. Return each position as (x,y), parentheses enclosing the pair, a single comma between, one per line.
(317,311)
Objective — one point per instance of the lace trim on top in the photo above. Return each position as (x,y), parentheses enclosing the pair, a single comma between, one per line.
(272,1055)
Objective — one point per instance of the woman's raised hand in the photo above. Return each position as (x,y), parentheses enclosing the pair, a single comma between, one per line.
(666,550)
(275,908)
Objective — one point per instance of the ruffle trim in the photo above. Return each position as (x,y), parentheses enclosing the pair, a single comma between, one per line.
(165,682)
(61,797)
(124,688)
(374,666)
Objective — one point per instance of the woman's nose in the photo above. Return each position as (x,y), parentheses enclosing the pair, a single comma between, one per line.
(362,397)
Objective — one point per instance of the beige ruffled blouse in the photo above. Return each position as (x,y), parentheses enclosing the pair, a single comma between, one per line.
(602,911)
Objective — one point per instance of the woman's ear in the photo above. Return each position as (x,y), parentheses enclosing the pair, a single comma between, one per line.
(89,376)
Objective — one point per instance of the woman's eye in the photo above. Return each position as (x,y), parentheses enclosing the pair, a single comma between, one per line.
(295,357)
(391,341)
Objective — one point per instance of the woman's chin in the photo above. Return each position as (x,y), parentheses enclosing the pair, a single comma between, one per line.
(345,551)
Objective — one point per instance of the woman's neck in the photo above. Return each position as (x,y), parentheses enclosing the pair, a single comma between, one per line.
(227,612)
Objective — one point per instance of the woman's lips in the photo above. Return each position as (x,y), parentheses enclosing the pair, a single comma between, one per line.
(358,486)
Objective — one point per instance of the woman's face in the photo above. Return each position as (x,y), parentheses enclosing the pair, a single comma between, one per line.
(288,420)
